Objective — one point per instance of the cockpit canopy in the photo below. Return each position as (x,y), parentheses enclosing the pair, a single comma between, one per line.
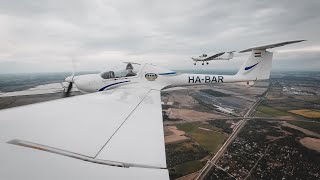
(204,55)
(108,75)
(128,70)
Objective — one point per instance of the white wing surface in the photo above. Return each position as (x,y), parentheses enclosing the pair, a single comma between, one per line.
(271,46)
(114,134)
(214,56)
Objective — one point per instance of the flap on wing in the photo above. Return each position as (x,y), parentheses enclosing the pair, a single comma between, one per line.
(19,163)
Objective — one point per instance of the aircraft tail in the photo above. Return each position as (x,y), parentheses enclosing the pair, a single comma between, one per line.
(258,66)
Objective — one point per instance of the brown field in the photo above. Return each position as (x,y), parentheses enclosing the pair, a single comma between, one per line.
(306,113)
(185,100)
(311,143)
(271,97)
(191,115)
(175,135)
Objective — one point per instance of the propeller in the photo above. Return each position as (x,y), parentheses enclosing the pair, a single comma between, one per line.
(67,92)
(69,79)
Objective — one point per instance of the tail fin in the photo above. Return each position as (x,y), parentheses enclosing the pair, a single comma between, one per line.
(258,66)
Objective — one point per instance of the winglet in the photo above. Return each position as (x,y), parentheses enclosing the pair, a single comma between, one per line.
(271,46)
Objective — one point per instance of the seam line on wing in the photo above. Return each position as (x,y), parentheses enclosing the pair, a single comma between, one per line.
(122,123)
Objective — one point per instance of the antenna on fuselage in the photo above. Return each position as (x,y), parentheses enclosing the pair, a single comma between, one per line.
(129,68)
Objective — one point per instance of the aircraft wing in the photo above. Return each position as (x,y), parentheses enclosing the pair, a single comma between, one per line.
(271,46)
(214,56)
(114,134)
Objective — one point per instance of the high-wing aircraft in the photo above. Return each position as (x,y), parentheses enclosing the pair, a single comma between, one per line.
(219,56)
(114,132)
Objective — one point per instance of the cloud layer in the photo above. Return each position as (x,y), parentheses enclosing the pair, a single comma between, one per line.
(38,36)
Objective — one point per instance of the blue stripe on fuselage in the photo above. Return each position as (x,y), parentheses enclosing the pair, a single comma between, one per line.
(169,73)
(103,88)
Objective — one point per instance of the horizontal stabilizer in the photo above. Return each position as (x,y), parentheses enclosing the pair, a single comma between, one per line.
(271,46)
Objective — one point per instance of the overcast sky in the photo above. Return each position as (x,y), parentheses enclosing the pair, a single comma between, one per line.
(39,36)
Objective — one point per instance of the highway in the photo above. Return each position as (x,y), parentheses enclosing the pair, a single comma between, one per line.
(205,170)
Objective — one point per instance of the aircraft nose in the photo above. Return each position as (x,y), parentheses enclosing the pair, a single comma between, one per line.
(69,79)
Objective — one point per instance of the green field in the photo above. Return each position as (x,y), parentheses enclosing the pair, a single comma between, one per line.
(311,99)
(272,111)
(210,140)
(189,167)
(311,126)
(183,152)
(185,158)
(192,127)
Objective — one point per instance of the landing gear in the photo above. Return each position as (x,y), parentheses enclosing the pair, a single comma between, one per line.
(204,62)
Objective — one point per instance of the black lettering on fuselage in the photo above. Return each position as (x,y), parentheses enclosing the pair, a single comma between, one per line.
(207,79)
(214,80)
(220,78)
(191,79)
(198,80)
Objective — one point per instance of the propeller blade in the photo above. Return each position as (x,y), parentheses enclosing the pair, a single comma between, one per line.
(70,79)
(67,93)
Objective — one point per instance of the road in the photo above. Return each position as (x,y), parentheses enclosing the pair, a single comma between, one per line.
(204,171)
(168,123)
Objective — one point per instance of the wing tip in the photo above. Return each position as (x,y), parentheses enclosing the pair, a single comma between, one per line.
(272,45)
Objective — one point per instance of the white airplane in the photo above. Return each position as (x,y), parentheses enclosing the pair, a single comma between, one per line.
(115,132)
(204,57)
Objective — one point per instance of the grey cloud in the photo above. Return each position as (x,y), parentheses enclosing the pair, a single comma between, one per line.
(162,32)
